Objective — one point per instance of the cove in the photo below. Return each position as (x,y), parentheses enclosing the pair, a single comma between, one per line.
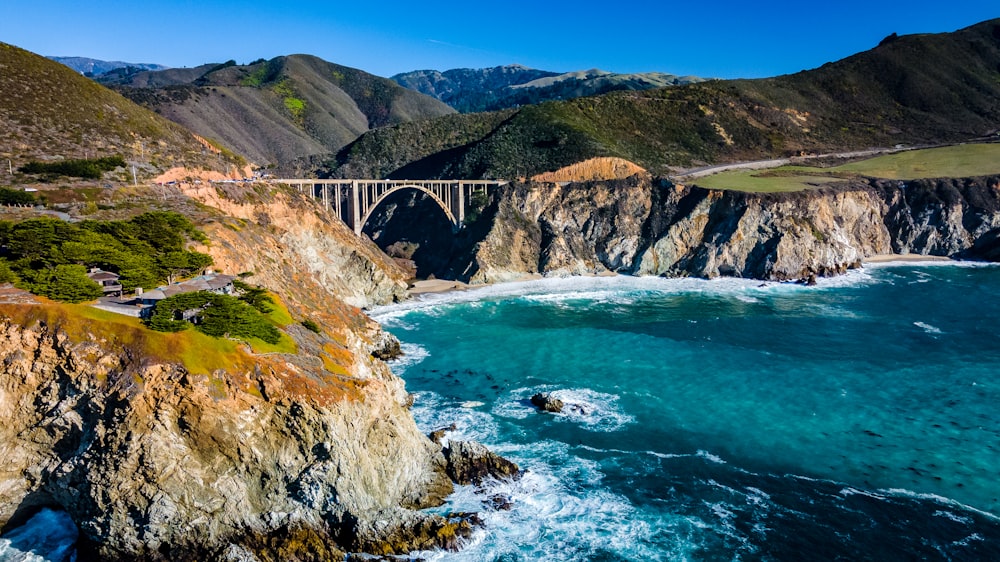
(725,418)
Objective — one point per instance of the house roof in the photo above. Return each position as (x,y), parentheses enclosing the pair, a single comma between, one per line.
(200,283)
(154,295)
(103,276)
(220,281)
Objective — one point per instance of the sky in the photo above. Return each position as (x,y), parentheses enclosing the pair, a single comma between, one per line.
(721,39)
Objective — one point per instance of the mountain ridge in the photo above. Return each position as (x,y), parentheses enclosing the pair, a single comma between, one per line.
(474,90)
(916,89)
(279,110)
(97,67)
(51,112)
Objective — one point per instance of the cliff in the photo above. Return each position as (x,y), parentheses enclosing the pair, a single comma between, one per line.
(651,227)
(184,447)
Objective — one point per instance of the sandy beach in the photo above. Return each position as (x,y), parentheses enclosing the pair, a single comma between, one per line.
(887,258)
(435,286)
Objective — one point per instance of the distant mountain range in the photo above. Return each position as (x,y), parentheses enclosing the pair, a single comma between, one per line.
(916,89)
(490,89)
(95,67)
(278,111)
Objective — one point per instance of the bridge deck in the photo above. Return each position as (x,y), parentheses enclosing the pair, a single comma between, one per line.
(354,200)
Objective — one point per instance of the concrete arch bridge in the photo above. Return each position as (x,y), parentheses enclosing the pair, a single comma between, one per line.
(354,201)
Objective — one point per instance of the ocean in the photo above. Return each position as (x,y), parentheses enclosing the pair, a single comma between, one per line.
(709,420)
(725,419)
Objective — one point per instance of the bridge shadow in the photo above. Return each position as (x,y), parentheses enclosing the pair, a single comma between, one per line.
(410,225)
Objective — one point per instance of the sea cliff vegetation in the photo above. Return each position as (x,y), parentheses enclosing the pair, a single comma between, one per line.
(50,257)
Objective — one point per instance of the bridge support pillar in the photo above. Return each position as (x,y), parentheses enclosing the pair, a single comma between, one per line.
(356,223)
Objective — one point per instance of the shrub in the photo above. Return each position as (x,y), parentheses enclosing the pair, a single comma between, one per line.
(83,168)
(68,283)
(215,315)
(145,251)
(15,197)
(311,326)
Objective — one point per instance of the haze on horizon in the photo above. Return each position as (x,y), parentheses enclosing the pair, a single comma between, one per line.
(728,40)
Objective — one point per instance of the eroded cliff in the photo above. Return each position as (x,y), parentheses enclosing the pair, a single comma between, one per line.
(651,227)
(182,447)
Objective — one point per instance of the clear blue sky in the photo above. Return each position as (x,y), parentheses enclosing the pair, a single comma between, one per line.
(725,38)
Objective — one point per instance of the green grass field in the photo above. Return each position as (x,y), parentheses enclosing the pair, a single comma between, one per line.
(960,161)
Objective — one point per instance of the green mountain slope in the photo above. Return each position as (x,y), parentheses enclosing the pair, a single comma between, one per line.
(48,111)
(919,89)
(279,110)
(490,89)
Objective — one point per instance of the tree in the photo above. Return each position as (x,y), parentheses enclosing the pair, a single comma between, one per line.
(256,297)
(217,315)
(68,283)
(6,275)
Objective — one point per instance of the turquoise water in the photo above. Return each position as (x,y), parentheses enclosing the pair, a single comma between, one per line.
(726,419)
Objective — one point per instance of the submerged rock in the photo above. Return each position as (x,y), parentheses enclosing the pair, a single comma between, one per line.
(547,403)
(469,462)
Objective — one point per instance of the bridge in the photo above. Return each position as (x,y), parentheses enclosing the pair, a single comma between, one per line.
(354,201)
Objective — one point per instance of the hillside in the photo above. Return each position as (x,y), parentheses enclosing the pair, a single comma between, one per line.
(279,110)
(913,90)
(490,89)
(50,112)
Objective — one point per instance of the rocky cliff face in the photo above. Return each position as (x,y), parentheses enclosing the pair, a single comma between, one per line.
(291,246)
(651,227)
(274,456)
(157,451)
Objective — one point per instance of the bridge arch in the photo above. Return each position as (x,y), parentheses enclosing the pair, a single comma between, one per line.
(396,188)
(355,200)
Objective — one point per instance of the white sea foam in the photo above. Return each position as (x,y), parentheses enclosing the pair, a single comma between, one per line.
(413,354)
(954,517)
(928,328)
(558,512)
(929,263)
(941,500)
(49,536)
(433,412)
(710,457)
(596,411)
(621,289)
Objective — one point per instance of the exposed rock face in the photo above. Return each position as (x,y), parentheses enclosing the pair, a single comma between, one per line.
(471,463)
(268,457)
(282,238)
(153,462)
(650,227)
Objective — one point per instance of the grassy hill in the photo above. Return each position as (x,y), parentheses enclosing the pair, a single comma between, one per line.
(50,112)
(913,90)
(278,110)
(959,161)
(491,89)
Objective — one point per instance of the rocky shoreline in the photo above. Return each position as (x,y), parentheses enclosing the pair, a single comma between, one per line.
(648,226)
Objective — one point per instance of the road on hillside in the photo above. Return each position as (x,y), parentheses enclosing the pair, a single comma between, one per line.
(778,162)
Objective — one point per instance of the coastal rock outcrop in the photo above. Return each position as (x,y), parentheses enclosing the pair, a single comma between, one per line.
(162,447)
(155,462)
(470,462)
(547,403)
(645,226)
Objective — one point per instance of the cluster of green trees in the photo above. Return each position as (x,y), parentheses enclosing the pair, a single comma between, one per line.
(16,197)
(216,315)
(50,257)
(90,168)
